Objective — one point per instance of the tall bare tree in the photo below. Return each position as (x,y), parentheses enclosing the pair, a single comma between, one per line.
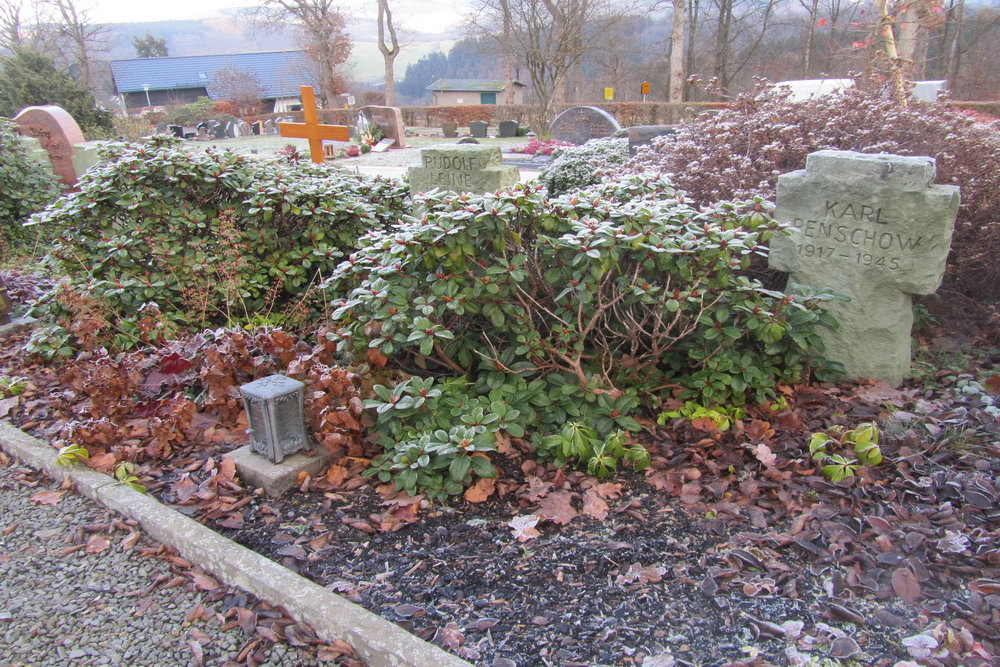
(12,20)
(678,24)
(323,30)
(80,35)
(389,49)
(548,36)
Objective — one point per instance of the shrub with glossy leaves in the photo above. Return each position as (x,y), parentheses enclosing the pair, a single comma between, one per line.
(533,312)
(25,185)
(210,237)
(742,150)
(581,166)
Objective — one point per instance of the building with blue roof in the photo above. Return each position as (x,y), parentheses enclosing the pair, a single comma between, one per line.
(143,82)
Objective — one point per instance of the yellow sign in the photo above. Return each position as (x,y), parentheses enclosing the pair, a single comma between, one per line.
(609,93)
(645,87)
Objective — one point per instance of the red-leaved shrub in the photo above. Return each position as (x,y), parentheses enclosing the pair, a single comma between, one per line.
(741,151)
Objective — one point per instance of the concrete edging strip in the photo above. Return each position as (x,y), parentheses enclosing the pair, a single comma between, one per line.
(378,641)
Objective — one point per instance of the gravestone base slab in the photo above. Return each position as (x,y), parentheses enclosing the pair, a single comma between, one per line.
(276,478)
(16,326)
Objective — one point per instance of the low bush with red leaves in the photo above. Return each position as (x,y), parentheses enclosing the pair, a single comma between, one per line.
(741,151)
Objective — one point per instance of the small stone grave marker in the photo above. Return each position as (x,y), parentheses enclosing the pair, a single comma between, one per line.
(876,229)
(508,128)
(57,131)
(462,168)
(383,145)
(257,127)
(449,130)
(477,128)
(269,127)
(5,305)
(245,129)
(579,125)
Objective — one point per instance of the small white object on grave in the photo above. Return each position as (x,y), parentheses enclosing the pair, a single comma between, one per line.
(383,145)
(274,414)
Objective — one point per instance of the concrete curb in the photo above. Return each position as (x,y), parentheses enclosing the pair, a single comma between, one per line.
(376,640)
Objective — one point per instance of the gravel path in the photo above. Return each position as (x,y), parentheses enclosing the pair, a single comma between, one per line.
(80,586)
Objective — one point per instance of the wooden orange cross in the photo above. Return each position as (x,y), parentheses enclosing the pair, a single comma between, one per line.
(312,129)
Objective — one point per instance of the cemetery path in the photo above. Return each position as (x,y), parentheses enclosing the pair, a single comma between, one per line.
(84,587)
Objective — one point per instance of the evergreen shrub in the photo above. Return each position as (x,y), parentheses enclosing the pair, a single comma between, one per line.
(741,151)
(25,185)
(560,318)
(210,237)
(582,166)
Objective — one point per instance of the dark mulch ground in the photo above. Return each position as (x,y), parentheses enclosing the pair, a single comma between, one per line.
(731,549)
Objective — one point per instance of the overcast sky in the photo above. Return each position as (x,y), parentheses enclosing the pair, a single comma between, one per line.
(420,15)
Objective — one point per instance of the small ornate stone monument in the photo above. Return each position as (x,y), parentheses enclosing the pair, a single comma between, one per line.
(462,168)
(876,229)
(274,415)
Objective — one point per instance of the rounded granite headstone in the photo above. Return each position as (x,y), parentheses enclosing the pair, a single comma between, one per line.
(581,124)
(57,131)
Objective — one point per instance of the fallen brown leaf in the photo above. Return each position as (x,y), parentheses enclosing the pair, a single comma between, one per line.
(97,543)
(47,497)
(557,507)
(481,490)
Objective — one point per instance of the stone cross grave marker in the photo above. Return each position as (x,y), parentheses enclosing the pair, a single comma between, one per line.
(876,229)
(581,124)
(311,129)
(57,131)
(462,168)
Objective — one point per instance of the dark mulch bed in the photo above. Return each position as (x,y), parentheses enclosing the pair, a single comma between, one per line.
(719,554)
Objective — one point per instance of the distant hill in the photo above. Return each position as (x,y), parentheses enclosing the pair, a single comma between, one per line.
(232,33)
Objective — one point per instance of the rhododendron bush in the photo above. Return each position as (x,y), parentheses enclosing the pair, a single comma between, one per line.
(742,150)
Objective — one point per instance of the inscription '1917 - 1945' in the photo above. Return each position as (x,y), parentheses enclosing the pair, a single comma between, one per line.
(858,243)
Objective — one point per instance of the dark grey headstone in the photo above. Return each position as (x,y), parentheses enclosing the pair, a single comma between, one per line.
(508,128)
(641,135)
(218,130)
(232,131)
(450,130)
(176,130)
(257,127)
(478,129)
(581,124)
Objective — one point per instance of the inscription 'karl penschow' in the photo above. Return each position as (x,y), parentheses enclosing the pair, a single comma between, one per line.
(857,243)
